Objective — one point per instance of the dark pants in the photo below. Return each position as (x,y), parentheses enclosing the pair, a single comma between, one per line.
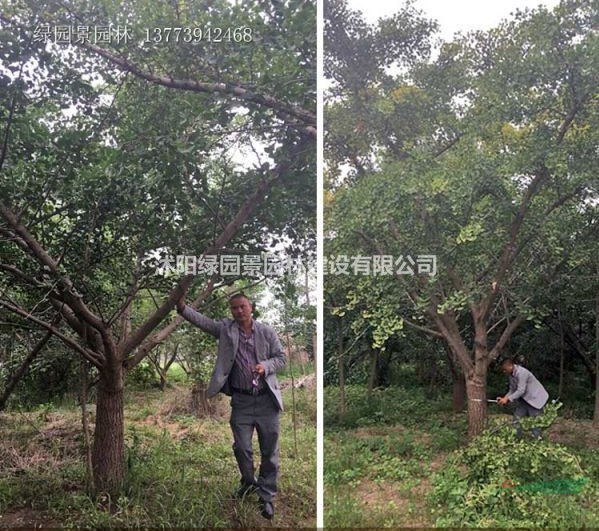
(262,413)
(524,409)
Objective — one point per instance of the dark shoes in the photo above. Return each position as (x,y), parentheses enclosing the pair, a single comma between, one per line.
(267,509)
(244,490)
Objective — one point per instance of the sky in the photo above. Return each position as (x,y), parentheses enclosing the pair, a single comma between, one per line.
(452,15)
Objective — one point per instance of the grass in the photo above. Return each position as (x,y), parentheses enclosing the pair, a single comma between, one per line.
(181,469)
(383,456)
(176,374)
(298,370)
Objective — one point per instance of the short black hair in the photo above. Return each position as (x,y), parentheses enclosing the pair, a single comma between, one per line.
(507,360)
(240,295)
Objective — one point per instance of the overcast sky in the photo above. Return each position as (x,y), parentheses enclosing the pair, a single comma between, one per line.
(452,15)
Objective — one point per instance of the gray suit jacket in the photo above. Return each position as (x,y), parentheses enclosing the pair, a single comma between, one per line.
(523,384)
(268,351)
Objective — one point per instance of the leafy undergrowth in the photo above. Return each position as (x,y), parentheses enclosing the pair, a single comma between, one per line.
(499,481)
(414,468)
(181,469)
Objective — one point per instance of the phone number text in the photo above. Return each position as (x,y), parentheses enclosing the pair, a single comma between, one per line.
(198,34)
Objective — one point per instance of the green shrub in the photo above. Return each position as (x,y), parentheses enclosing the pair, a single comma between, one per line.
(142,376)
(346,459)
(500,481)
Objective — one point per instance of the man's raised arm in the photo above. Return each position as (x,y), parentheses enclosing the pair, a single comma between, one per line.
(196,318)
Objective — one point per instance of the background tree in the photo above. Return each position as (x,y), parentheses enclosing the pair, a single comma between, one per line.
(482,157)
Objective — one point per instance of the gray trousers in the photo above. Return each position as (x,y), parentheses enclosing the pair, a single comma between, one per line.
(524,409)
(262,413)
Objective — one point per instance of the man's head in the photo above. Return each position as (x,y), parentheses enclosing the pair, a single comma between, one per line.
(507,366)
(241,308)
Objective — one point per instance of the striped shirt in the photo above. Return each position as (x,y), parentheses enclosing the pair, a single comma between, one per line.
(242,372)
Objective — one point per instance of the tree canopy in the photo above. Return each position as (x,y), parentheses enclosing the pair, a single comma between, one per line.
(481,154)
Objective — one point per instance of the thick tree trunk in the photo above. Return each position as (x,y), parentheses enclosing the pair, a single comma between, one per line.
(476,381)
(108,457)
(477,405)
(475,373)
(458,395)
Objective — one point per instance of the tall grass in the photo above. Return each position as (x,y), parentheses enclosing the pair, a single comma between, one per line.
(181,471)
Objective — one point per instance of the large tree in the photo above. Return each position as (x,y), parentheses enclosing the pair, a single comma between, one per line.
(481,157)
(116,155)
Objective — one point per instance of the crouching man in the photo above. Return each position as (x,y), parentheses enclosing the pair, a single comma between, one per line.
(526,392)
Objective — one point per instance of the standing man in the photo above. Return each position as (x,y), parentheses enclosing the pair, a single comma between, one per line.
(526,391)
(249,354)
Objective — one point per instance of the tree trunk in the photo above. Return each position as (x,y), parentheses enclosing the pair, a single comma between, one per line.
(596,415)
(475,373)
(476,380)
(458,395)
(562,354)
(200,403)
(341,362)
(374,369)
(162,376)
(477,406)
(108,457)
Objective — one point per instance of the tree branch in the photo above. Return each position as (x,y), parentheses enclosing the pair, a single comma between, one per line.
(504,338)
(16,377)
(40,254)
(307,118)
(135,339)
(88,355)
(510,249)
(450,331)
(424,329)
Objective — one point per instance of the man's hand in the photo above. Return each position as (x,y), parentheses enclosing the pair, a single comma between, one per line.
(259,369)
(181,302)
(502,400)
